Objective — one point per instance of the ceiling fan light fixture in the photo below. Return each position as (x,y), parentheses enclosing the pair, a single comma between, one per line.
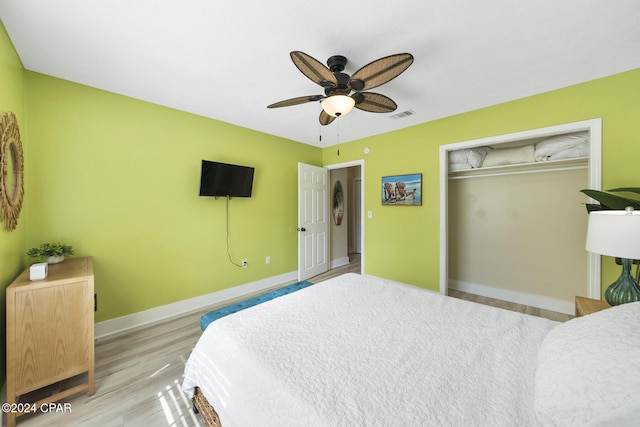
(338,105)
(343,92)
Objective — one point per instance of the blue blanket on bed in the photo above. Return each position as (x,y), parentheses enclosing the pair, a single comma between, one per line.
(209,317)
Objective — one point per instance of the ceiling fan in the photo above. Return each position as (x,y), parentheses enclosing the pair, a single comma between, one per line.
(343,92)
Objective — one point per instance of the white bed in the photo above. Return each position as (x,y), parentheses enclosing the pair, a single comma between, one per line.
(361,351)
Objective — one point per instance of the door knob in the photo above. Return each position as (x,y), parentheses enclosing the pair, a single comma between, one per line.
(302,229)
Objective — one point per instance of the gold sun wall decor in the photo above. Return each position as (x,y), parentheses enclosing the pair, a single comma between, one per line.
(11,171)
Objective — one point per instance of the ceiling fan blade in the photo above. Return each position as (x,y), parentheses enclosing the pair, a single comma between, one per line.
(325,119)
(296,101)
(380,71)
(374,102)
(315,70)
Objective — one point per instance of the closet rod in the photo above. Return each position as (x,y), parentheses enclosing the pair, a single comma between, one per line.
(478,173)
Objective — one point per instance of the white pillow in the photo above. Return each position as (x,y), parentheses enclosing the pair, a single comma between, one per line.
(588,370)
(509,156)
(459,166)
(470,157)
(580,150)
(555,144)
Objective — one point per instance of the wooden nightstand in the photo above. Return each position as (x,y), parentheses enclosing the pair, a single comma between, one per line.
(586,305)
(50,333)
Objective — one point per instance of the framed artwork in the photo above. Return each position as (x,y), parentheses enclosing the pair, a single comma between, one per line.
(402,190)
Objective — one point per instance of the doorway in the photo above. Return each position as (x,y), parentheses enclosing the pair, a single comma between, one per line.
(345,229)
(347,239)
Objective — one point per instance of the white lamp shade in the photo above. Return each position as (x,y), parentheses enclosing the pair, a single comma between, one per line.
(614,233)
(338,105)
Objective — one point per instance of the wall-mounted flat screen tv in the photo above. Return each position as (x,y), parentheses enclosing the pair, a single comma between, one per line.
(223,179)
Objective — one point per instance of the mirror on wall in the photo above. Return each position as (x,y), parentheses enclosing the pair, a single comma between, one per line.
(11,171)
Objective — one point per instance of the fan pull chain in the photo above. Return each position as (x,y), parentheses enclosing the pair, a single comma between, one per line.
(338,122)
(320,126)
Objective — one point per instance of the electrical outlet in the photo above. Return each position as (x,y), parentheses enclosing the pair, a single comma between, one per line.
(244,263)
(268,260)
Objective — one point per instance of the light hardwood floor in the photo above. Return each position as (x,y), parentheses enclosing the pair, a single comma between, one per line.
(534,311)
(138,373)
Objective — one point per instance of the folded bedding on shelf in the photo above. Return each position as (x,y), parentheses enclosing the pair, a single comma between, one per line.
(551,147)
(509,156)
(557,147)
(459,166)
(580,150)
(467,158)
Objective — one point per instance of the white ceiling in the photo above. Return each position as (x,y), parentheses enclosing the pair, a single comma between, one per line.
(228,60)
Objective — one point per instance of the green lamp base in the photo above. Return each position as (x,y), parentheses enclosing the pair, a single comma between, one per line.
(625,289)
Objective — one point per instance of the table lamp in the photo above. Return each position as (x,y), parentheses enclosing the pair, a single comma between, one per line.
(617,234)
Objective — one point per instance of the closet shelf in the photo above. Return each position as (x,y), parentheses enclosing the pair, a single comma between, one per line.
(533,167)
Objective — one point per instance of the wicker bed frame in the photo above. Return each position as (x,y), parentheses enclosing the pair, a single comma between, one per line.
(205,409)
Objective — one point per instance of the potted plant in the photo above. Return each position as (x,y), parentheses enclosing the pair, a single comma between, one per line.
(53,253)
(610,201)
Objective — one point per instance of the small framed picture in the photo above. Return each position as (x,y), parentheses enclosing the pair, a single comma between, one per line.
(402,190)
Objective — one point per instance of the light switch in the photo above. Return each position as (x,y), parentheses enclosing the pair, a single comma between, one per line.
(369,214)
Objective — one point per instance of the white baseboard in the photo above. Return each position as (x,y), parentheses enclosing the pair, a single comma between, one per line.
(339,262)
(553,304)
(130,321)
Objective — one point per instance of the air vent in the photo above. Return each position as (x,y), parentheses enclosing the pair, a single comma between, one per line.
(402,114)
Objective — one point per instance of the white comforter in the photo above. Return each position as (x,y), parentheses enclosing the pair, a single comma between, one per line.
(362,351)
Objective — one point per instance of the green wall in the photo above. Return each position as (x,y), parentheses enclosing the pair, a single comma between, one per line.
(118,179)
(410,252)
(11,244)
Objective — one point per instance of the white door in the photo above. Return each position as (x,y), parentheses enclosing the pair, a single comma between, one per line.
(313,223)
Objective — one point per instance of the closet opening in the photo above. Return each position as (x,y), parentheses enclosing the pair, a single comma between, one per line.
(512,218)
